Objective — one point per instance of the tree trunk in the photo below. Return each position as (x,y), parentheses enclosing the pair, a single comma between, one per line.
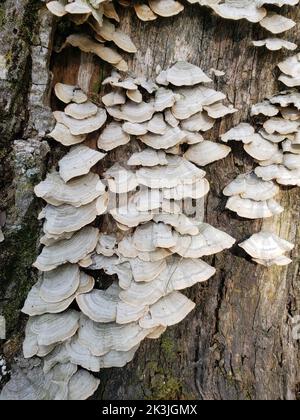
(237,343)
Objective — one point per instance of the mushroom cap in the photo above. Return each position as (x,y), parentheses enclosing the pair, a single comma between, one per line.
(121,180)
(78,162)
(166,8)
(172,137)
(69,250)
(179,222)
(49,329)
(251,186)
(57,8)
(266,246)
(88,45)
(130,216)
(60,284)
(150,236)
(143,271)
(132,112)
(116,97)
(260,148)
(100,305)
(280,261)
(36,305)
(144,12)
(157,124)
(81,111)
(82,385)
(169,310)
(196,190)
(66,218)
(68,93)
(193,99)
(239,9)
(281,126)
(275,44)
(78,127)
(172,278)
(218,110)
(264,108)
(29,382)
(63,135)
(276,23)
(207,152)
(135,129)
(148,158)
(106,245)
(198,122)
(164,98)
(113,136)
(251,209)
(101,338)
(209,241)
(178,171)
(186,74)
(77,192)
(242,132)
(280,173)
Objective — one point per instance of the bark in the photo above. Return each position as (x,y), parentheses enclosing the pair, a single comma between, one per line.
(238,343)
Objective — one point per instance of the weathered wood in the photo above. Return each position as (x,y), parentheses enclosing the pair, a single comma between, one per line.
(237,344)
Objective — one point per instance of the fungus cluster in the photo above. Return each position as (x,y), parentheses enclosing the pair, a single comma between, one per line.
(152,243)
(275,147)
(102,18)
(155,245)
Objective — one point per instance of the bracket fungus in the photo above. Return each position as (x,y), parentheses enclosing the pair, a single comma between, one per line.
(268,249)
(144,201)
(155,240)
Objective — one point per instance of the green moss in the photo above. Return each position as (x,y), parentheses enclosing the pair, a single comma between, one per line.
(27,28)
(168,347)
(18,252)
(166,388)
(2,16)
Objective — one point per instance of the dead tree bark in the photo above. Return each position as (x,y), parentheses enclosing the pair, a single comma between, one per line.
(238,342)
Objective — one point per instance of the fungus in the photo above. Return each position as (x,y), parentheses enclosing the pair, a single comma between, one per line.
(243,132)
(68,250)
(81,111)
(148,157)
(275,44)
(78,162)
(144,12)
(66,218)
(264,108)
(251,209)
(113,136)
(49,329)
(276,23)
(204,153)
(193,99)
(78,192)
(186,74)
(63,135)
(267,248)
(69,93)
(78,127)
(166,8)
(252,187)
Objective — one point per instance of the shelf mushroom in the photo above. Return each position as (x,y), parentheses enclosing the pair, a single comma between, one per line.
(268,249)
